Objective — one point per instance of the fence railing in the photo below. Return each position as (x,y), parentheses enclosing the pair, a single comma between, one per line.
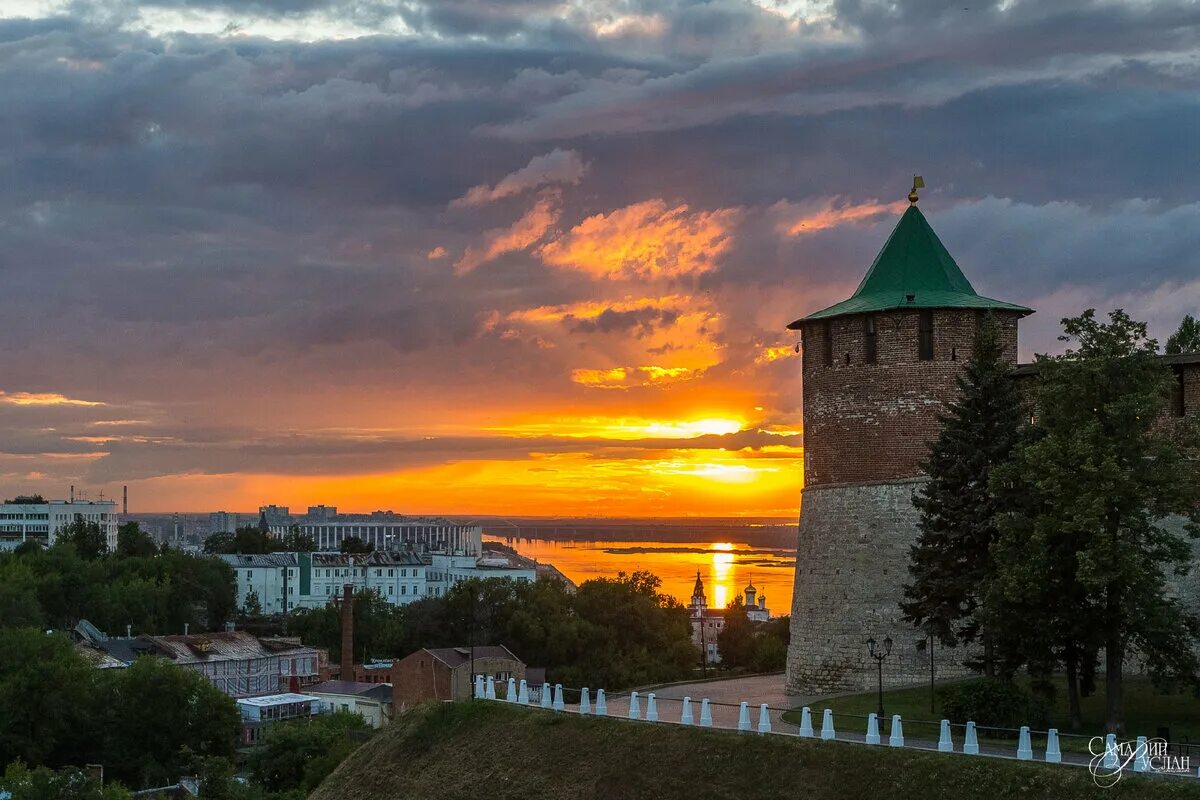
(1104,755)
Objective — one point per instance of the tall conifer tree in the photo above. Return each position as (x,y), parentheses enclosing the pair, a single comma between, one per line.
(1089,551)
(958,512)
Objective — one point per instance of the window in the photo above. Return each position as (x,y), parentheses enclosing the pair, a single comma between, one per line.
(1178,405)
(869,347)
(925,340)
(827,343)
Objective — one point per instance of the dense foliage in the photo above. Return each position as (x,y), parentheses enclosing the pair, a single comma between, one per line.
(1057,543)
(1085,549)
(1186,339)
(612,632)
(155,594)
(43,783)
(145,723)
(253,540)
(994,702)
(298,755)
(753,646)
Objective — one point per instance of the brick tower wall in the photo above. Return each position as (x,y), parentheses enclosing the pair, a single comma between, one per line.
(866,433)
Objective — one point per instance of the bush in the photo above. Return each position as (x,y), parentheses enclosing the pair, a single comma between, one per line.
(993,703)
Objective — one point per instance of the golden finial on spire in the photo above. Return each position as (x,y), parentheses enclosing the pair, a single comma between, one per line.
(918,183)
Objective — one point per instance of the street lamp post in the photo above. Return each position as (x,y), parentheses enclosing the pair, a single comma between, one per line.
(879,654)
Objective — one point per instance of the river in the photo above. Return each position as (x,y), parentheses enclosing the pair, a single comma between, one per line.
(725,567)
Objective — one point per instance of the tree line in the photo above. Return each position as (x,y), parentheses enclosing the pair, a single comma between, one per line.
(152,591)
(1056,510)
(610,632)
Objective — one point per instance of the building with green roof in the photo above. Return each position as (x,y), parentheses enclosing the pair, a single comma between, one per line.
(878,370)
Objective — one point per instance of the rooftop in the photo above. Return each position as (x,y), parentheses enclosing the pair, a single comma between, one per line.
(376,691)
(913,270)
(268,700)
(457,656)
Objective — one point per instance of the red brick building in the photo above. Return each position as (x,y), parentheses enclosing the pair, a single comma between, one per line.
(445,673)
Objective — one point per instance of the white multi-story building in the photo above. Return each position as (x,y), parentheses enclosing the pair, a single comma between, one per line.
(446,569)
(312,580)
(33,519)
(225,522)
(382,530)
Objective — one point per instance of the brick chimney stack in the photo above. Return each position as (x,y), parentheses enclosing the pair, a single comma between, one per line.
(347,632)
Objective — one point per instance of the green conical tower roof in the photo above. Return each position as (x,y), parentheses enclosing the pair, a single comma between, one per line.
(913,270)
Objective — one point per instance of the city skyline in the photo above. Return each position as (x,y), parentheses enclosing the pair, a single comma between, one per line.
(539,260)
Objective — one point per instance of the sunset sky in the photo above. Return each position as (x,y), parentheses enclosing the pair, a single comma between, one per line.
(537,256)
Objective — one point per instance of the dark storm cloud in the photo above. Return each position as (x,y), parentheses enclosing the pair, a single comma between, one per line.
(640,320)
(185,218)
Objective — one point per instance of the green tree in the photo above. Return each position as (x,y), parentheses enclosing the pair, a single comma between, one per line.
(296,542)
(133,541)
(159,716)
(47,693)
(958,511)
(1186,339)
(1103,475)
(42,783)
(86,537)
(252,607)
(353,544)
(300,754)
(219,543)
(735,642)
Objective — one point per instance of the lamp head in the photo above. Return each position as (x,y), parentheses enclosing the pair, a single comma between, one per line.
(887,645)
(871,645)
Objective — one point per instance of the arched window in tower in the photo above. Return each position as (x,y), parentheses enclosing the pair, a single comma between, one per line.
(925,340)
(827,343)
(869,336)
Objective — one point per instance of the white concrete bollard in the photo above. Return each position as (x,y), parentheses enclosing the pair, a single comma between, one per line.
(511,695)
(896,739)
(945,743)
(764,718)
(478,687)
(1053,753)
(970,742)
(1024,747)
(743,718)
(601,705)
(635,708)
(651,708)
(523,693)
(705,714)
(806,728)
(490,692)
(872,728)
(558,698)
(1110,752)
(1141,762)
(546,701)
(585,705)
(685,716)
(827,724)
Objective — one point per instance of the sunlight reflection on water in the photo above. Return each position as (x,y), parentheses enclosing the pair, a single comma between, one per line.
(725,567)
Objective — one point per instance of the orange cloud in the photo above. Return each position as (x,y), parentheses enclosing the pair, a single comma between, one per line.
(43,399)
(769,354)
(629,377)
(526,231)
(644,241)
(807,218)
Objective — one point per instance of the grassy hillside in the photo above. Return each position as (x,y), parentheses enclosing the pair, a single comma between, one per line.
(452,751)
